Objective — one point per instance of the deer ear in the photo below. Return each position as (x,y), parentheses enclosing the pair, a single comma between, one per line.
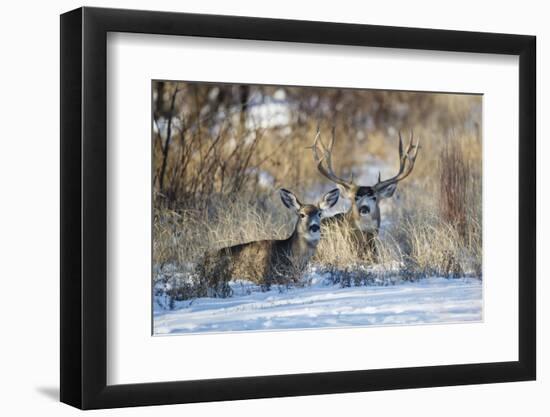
(329,199)
(289,199)
(346,192)
(387,191)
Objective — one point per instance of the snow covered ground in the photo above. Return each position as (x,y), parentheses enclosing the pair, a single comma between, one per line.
(430,300)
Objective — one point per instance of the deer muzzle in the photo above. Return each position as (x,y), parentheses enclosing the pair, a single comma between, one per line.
(314,228)
(364,210)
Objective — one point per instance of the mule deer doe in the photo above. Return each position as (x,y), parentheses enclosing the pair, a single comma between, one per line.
(272,261)
(364,215)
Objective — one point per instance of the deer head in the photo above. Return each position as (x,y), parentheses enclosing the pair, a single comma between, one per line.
(365,199)
(308,226)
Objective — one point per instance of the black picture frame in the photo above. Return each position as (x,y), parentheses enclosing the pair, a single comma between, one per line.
(84,207)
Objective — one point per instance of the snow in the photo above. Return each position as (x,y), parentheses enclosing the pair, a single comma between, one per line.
(161,125)
(269,114)
(265,179)
(321,305)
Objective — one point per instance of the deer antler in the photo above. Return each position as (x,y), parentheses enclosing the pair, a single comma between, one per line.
(404,168)
(327,171)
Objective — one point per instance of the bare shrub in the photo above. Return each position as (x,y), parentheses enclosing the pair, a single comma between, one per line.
(453,177)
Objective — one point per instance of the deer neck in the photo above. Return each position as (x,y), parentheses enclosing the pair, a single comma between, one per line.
(300,247)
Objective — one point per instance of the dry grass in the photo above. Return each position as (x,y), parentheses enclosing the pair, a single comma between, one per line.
(182,236)
(417,243)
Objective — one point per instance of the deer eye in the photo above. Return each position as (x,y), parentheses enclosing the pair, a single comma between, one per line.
(302,215)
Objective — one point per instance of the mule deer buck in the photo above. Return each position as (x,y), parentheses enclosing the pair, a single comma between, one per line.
(272,261)
(363,218)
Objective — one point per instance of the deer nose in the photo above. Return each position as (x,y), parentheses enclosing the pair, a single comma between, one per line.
(314,228)
(364,210)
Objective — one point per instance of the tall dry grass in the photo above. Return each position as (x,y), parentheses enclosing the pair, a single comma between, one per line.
(182,236)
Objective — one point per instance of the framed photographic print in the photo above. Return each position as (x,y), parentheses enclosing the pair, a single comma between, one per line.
(256,208)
